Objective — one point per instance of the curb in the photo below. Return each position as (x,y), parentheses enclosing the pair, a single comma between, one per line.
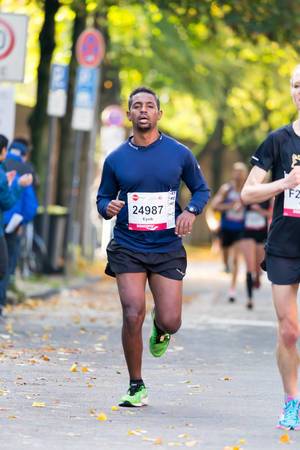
(44,295)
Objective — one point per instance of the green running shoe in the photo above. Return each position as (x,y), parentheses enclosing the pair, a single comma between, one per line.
(158,343)
(135,397)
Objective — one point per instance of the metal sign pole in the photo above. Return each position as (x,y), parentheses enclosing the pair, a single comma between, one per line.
(87,226)
(49,172)
(74,195)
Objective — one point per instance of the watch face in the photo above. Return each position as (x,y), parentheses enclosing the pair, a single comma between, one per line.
(192,209)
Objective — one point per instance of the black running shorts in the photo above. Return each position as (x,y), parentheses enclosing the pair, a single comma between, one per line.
(229,237)
(122,260)
(259,236)
(281,270)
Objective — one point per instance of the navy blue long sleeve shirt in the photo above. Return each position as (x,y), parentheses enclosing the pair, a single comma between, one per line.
(159,167)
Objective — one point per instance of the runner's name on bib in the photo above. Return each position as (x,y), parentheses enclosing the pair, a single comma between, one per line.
(151,211)
(254,221)
(291,206)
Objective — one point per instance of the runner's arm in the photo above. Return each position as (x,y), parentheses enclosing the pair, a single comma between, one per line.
(218,202)
(196,183)
(108,191)
(256,191)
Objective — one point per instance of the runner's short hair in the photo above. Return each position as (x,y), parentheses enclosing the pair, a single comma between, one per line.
(143,89)
(3,142)
(296,69)
(240,166)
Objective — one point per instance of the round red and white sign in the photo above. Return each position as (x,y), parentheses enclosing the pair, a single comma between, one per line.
(90,48)
(7,39)
(135,197)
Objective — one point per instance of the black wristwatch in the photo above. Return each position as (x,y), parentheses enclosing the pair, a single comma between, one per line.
(192,209)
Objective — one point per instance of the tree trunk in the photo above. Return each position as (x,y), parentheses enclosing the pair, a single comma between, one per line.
(65,164)
(215,149)
(38,119)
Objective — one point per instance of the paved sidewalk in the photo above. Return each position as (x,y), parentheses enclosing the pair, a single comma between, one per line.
(62,370)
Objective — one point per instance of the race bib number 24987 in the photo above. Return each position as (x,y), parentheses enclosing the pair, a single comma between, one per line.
(151,211)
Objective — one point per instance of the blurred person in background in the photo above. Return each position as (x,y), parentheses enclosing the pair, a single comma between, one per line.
(10,191)
(22,213)
(228,202)
(252,243)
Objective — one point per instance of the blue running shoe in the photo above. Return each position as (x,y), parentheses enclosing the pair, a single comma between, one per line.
(289,419)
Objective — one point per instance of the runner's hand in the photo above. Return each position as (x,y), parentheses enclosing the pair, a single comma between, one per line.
(184,223)
(25,180)
(237,205)
(10,176)
(293,178)
(114,207)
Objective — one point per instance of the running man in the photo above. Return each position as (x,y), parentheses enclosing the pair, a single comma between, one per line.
(281,153)
(140,185)
(228,201)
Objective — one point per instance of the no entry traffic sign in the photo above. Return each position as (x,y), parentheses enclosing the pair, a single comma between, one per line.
(13,37)
(7,39)
(90,48)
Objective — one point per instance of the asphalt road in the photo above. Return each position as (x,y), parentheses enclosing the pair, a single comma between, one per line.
(62,370)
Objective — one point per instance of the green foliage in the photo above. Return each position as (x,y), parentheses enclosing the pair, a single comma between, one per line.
(206,59)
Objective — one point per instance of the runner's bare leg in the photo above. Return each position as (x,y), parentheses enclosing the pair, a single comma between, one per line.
(132,295)
(285,301)
(167,295)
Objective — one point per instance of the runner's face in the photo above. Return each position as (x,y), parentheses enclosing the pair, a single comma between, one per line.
(295,89)
(3,154)
(239,175)
(144,113)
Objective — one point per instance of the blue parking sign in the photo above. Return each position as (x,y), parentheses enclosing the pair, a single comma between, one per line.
(59,77)
(87,80)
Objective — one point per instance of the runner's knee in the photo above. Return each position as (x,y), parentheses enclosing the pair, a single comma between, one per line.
(288,333)
(133,315)
(170,324)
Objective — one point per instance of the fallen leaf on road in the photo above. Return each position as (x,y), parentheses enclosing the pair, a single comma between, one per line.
(183,435)
(9,328)
(73,368)
(115,408)
(226,379)
(191,443)
(137,432)
(285,439)
(102,417)
(133,433)
(84,369)
(12,417)
(45,358)
(38,404)
(158,441)
(76,319)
